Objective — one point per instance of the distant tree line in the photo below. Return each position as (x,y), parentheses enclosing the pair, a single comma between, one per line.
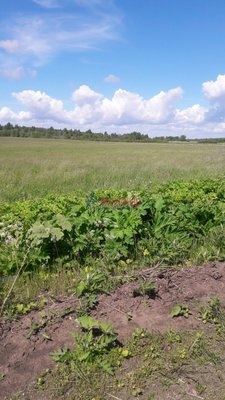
(10,130)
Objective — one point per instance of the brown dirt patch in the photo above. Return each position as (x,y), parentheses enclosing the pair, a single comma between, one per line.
(25,353)
(193,286)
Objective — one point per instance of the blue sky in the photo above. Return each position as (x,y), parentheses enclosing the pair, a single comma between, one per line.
(155,66)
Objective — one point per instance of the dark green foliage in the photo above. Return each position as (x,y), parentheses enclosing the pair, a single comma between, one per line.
(169,225)
(10,130)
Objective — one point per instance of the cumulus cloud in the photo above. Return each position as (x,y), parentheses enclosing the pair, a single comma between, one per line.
(214,90)
(125,107)
(194,115)
(6,115)
(91,107)
(85,95)
(122,107)
(111,78)
(40,105)
(161,107)
(125,111)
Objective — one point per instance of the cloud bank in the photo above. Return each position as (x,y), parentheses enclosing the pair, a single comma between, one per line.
(125,111)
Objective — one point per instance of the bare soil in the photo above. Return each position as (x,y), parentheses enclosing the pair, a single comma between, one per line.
(27,342)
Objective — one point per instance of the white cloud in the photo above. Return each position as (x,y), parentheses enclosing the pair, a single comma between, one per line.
(17,73)
(6,115)
(47,3)
(40,105)
(125,111)
(34,39)
(111,78)
(161,107)
(85,95)
(124,108)
(194,115)
(95,4)
(10,46)
(214,90)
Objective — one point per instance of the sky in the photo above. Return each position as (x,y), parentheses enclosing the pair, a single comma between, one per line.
(152,66)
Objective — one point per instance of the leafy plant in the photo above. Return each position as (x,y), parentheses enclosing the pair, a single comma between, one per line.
(212,312)
(147,288)
(180,310)
(92,283)
(171,224)
(25,308)
(92,345)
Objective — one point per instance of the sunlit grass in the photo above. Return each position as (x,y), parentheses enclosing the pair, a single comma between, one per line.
(36,167)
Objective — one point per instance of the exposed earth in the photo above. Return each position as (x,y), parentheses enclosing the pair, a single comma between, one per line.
(27,342)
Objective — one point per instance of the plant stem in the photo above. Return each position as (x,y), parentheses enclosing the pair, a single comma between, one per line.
(14,281)
(114,397)
(114,308)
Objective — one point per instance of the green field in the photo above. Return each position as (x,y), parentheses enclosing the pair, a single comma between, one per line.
(32,168)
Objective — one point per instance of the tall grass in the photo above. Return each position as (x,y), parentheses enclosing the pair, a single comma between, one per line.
(32,168)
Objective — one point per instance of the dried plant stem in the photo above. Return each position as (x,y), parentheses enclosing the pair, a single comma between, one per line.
(114,308)
(14,281)
(114,397)
(195,395)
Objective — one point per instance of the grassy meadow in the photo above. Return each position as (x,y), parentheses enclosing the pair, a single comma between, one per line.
(31,168)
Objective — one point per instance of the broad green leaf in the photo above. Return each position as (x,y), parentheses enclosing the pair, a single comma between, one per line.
(81,288)
(176,311)
(58,354)
(84,356)
(57,234)
(87,322)
(159,204)
(107,367)
(63,222)
(20,307)
(125,353)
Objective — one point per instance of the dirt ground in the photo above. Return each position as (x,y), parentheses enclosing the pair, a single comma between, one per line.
(26,343)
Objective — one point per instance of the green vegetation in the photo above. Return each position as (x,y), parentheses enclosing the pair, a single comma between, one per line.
(91,347)
(10,130)
(180,310)
(151,365)
(80,219)
(172,224)
(102,235)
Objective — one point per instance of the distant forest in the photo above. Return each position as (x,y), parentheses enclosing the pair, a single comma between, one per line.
(10,130)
